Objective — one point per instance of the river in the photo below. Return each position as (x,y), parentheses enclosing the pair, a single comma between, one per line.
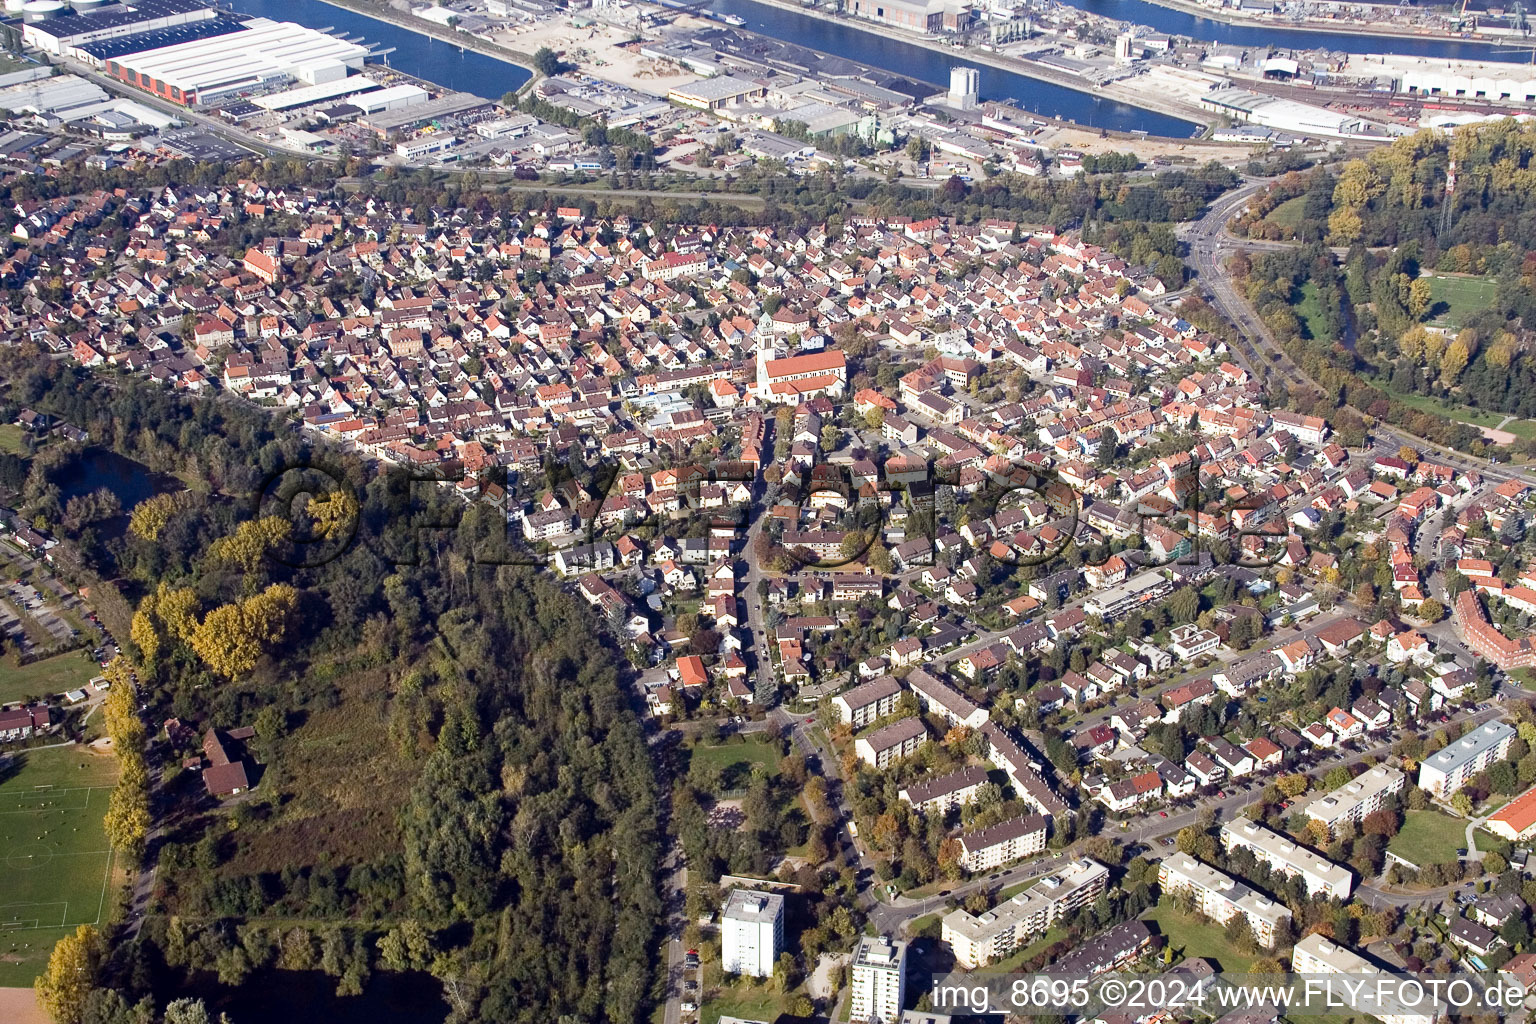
(1182,23)
(415,54)
(868,46)
(440,62)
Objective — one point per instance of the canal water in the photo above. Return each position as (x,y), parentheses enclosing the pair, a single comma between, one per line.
(415,54)
(1182,23)
(902,58)
(445,64)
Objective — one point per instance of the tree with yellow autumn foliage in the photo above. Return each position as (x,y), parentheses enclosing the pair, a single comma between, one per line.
(251,542)
(127,819)
(334,514)
(149,516)
(233,637)
(70,975)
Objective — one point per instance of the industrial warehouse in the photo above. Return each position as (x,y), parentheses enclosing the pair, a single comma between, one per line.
(50,29)
(261,55)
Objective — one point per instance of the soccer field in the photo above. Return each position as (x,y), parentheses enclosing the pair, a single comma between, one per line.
(53,852)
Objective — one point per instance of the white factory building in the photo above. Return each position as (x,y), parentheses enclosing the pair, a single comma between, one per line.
(309,95)
(1287,115)
(263,55)
(1427,76)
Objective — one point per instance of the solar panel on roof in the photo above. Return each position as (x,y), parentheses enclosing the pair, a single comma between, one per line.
(106,49)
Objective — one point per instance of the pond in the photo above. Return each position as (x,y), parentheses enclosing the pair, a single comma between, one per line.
(131,481)
(309,997)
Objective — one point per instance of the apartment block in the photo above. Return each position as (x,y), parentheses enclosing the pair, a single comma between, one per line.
(1447,770)
(939,796)
(879,979)
(751,932)
(1353,801)
(868,701)
(1321,876)
(891,743)
(1317,955)
(987,848)
(1221,897)
(977,939)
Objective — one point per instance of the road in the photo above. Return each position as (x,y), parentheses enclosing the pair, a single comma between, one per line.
(1261,352)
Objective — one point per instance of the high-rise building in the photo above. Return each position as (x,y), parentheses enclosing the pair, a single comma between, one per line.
(1125,47)
(879,979)
(964,88)
(751,932)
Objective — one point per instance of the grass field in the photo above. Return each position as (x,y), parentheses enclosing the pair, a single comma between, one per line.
(1310,311)
(68,671)
(736,760)
(12,439)
(1194,937)
(53,853)
(1288,214)
(1429,837)
(1454,300)
(739,996)
(1019,957)
(1464,414)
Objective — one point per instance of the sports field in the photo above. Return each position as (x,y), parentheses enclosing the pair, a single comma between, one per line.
(53,852)
(1455,300)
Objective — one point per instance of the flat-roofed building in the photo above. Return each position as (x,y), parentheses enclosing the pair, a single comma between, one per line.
(751,932)
(1222,897)
(878,980)
(59,35)
(714,93)
(977,939)
(1444,772)
(1314,954)
(1351,802)
(1113,602)
(1321,876)
(454,105)
(261,55)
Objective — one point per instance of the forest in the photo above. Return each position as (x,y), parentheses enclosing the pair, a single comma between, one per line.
(1435,292)
(452,777)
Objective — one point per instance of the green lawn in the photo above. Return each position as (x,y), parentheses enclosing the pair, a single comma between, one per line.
(1455,300)
(736,760)
(12,439)
(62,672)
(53,853)
(1310,311)
(1429,837)
(925,924)
(1464,413)
(1014,960)
(1288,214)
(748,998)
(1193,937)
